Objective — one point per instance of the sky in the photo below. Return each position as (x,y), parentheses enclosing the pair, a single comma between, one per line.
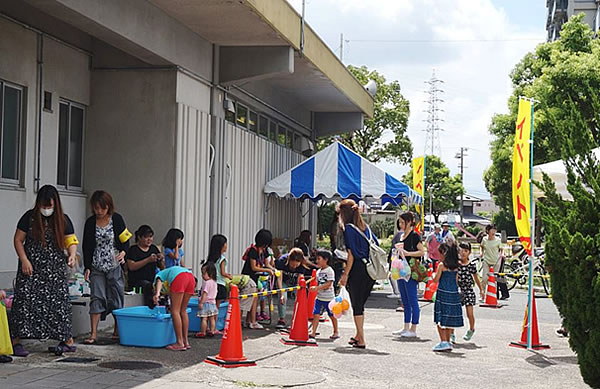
(471,44)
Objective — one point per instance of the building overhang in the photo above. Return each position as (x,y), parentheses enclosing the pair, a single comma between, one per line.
(319,81)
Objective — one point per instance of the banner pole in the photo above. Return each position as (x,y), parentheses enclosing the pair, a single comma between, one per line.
(531,234)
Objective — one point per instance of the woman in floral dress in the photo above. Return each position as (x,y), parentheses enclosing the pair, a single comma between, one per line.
(41,308)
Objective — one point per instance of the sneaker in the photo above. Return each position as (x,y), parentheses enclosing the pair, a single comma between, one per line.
(19,350)
(392,296)
(409,334)
(452,338)
(255,326)
(468,335)
(399,332)
(440,347)
(281,324)
(449,346)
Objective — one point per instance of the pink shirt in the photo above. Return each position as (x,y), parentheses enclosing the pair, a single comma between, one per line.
(210,287)
(432,248)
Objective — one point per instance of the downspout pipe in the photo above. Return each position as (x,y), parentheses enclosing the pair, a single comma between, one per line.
(40,107)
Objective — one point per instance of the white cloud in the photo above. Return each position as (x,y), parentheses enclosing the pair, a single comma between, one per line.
(475,74)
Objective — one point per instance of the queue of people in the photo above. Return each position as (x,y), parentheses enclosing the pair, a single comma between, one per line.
(46,245)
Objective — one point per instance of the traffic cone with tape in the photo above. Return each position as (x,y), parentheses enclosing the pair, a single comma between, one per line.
(535,336)
(312,295)
(491,299)
(231,353)
(298,335)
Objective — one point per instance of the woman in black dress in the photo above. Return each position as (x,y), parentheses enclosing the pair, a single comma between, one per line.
(41,308)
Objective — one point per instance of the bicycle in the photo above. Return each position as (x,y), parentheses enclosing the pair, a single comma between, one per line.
(519,268)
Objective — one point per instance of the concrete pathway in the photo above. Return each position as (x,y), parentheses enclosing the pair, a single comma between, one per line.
(486,361)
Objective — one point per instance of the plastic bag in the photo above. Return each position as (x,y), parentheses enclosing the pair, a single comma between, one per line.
(400,267)
(346,296)
(5,341)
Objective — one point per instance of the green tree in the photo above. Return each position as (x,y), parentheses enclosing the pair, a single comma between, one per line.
(564,76)
(446,190)
(384,135)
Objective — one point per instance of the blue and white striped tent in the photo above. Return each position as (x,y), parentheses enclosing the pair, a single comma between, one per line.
(337,171)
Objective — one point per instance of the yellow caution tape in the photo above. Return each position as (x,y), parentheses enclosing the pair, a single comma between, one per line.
(518,275)
(268,292)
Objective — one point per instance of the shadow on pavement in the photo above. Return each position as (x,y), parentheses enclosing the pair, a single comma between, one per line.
(450,354)
(467,346)
(542,361)
(351,350)
(410,340)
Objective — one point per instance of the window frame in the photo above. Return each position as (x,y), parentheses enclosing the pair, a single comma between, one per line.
(20,135)
(67,187)
(238,107)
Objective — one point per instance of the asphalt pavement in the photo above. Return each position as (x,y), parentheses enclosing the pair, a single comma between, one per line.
(388,361)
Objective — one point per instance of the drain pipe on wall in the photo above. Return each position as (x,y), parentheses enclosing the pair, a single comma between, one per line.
(40,107)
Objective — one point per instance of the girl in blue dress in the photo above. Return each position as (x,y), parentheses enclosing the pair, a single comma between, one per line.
(447,311)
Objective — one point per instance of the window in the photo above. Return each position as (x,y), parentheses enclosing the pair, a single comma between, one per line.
(11,103)
(297,145)
(273,131)
(281,136)
(263,126)
(70,145)
(252,122)
(241,115)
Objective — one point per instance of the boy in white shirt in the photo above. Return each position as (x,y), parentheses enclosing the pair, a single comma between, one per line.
(325,292)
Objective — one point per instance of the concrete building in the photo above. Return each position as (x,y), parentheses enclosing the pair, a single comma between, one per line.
(559,11)
(182,110)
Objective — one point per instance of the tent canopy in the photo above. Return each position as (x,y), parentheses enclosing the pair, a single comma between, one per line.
(337,171)
(557,171)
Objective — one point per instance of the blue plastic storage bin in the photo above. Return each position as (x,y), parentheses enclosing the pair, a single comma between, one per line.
(145,327)
(222,314)
(195,321)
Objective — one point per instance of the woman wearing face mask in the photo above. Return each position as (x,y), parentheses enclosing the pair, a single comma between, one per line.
(41,308)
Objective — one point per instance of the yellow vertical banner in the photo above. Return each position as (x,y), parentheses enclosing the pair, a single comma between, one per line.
(418,165)
(521,193)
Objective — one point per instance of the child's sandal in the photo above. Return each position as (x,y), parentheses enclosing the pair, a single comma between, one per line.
(200,335)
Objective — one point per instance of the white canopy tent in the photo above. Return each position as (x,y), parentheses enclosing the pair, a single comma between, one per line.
(558,173)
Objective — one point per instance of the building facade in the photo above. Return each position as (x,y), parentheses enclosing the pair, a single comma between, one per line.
(181,110)
(559,11)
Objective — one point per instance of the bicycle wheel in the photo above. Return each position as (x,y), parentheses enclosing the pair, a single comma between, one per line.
(545,281)
(515,267)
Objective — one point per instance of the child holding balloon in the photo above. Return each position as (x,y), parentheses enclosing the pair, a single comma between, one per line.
(325,293)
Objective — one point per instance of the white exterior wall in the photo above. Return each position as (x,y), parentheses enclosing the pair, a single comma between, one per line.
(243,164)
(192,187)
(66,74)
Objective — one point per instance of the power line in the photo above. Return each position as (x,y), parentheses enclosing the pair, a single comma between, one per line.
(443,40)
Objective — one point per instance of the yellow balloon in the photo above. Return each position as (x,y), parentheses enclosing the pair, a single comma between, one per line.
(345,305)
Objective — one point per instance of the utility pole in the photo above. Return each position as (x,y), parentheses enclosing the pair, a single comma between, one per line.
(432,140)
(461,155)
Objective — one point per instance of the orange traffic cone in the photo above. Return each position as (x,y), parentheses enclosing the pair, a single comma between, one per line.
(430,287)
(299,333)
(535,336)
(491,299)
(231,353)
(312,295)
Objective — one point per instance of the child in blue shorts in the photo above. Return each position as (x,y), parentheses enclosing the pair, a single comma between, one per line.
(325,293)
